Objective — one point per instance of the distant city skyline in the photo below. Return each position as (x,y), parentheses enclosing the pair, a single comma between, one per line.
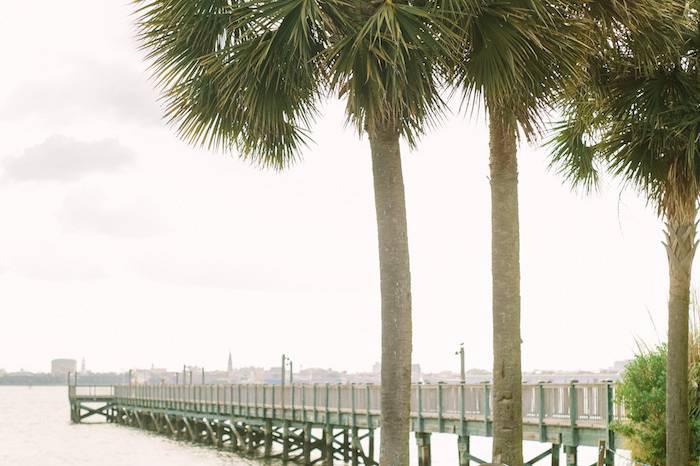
(62,366)
(64,371)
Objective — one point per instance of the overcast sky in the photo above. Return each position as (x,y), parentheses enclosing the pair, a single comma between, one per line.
(121,244)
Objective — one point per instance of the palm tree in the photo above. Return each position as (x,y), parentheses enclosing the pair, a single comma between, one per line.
(517,55)
(516,51)
(638,116)
(249,75)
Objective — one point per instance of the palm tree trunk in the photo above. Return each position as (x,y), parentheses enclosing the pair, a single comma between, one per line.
(680,247)
(505,269)
(396,296)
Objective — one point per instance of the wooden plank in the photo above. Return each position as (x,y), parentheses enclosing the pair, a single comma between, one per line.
(601,453)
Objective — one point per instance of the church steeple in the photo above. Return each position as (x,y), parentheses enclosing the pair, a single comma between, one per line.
(229,368)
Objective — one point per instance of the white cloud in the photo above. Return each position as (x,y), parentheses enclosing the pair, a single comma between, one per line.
(63,159)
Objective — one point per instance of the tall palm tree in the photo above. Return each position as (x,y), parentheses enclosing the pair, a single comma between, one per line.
(248,76)
(516,51)
(517,55)
(638,116)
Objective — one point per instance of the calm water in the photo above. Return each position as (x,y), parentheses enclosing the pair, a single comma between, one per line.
(36,431)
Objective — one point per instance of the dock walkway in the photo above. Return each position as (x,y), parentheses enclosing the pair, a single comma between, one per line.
(320,423)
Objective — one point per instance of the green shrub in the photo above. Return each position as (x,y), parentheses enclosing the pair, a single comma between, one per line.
(643,392)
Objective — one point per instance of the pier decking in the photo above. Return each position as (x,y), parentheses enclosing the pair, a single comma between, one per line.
(322,423)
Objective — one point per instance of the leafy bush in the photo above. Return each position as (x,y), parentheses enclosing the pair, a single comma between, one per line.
(643,392)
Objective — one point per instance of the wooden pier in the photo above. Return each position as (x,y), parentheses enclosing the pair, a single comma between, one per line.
(327,423)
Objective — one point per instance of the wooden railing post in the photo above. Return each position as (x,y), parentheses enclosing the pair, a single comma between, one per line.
(541,402)
(303,403)
(338,398)
(609,418)
(352,404)
(573,411)
(439,406)
(419,386)
(274,408)
(462,410)
(368,397)
(487,409)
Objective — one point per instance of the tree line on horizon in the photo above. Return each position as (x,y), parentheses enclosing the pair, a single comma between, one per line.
(248,76)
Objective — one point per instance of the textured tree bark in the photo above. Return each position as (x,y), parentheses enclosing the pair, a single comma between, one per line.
(396,296)
(680,248)
(505,269)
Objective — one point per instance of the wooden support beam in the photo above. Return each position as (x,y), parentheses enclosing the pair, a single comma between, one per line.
(539,457)
(209,432)
(307,443)
(169,424)
(346,445)
(463,449)
(73,417)
(155,422)
(555,454)
(219,434)
(423,444)
(102,411)
(571,455)
(268,438)
(285,441)
(610,417)
(138,419)
(189,428)
(234,436)
(249,439)
(356,447)
(601,453)
(328,444)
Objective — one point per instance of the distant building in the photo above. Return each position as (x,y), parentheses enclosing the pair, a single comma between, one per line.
(229,368)
(63,366)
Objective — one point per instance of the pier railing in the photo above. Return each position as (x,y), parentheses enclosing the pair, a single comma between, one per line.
(91,391)
(581,404)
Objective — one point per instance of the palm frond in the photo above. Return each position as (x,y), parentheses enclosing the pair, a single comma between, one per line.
(516,53)
(240,75)
(248,75)
(645,117)
(390,62)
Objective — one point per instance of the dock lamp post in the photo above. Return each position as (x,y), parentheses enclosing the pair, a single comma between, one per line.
(460,352)
(285,361)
